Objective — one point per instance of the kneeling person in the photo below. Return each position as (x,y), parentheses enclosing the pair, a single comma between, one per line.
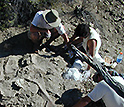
(41,25)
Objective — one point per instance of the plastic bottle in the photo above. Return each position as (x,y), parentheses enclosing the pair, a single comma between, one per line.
(119,57)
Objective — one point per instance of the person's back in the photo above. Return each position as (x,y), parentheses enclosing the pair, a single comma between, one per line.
(87,40)
(109,96)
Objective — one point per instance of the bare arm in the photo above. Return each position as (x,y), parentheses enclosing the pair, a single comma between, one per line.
(36,29)
(65,37)
(83,102)
(91,45)
(72,38)
(77,41)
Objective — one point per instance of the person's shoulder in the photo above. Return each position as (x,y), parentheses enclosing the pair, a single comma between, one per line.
(92,30)
(94,34)
(61,25)
(39,12)
(103,83)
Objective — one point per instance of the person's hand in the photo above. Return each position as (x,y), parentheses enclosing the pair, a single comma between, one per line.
(48,34)
(48,31)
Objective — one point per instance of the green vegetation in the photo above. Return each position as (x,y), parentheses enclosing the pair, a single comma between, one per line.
(20,13)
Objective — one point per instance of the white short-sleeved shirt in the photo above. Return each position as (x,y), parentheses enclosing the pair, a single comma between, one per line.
(41,23)
(108,95)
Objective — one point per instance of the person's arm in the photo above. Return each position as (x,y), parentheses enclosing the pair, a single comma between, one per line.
(37,29)
(77,41)
(62,32)
(72,38)
(91,46)
(65,37)
(82,102)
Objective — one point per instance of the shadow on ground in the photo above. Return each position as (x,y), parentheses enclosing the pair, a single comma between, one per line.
(20,44)
(69,97)
(17,45)
(72,96)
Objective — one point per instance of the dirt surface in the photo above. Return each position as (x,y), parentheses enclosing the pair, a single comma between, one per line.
(28,79)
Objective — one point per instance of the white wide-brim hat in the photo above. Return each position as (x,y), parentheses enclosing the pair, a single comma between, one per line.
(52,17)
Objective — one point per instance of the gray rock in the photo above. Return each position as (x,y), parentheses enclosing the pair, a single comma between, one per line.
(30,79)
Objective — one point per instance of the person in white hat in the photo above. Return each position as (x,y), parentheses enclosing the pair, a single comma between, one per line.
(43,23)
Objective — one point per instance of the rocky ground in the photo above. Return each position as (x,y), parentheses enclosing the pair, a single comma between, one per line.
(32,80)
